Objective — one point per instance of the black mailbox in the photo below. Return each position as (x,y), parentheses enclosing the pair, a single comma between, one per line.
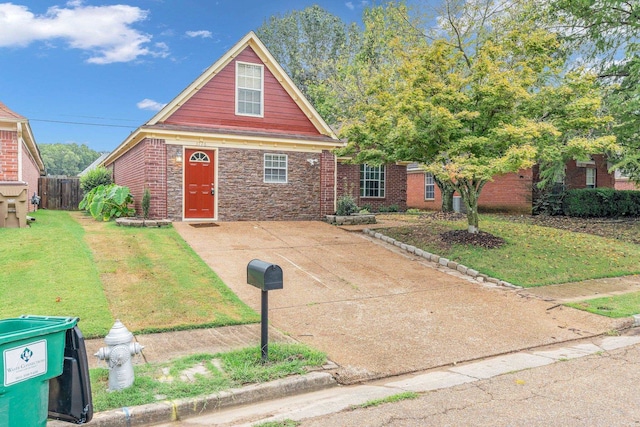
(264,275)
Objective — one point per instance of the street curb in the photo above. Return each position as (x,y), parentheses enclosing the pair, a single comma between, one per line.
(169,411)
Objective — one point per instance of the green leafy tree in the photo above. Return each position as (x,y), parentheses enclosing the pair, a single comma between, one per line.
(66,159)
(485,97)
(607,33)
(307,44)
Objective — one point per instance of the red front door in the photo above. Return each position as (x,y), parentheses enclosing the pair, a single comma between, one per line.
(199,184)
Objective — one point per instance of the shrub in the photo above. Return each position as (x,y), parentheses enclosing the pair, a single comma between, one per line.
(108,201)
(94,178)
(549,202)
(346,205)
(601,202)
(146,203)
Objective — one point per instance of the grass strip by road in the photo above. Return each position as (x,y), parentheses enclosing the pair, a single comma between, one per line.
(407,395)
(618,306)
(68,264)
(203,374)
(532,256)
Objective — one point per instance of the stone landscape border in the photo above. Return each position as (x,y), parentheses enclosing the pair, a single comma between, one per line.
(440,260)
(137,222)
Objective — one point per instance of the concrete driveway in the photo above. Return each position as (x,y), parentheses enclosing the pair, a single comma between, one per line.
(375,310)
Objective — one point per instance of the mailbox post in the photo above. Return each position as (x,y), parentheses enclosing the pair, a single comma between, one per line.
(266,277)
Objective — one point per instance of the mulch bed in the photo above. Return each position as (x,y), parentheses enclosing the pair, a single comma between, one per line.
(463,237)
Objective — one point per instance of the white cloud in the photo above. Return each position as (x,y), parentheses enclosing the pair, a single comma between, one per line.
(202,33)
(150,104)
(361,5)
(103,31)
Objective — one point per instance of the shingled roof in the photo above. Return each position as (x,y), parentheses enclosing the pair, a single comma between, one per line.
(7,114)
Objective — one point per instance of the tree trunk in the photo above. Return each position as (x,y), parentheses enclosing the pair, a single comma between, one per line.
(446,191)
(470,193)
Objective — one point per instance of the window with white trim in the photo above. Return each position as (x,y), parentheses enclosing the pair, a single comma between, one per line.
(429,186)
(249,89)
(372,181)
(275,168)
(591,178)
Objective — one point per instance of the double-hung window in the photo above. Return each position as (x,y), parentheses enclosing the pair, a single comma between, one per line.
(275,168)
(372,181)
(429,186)
(591,178)
(249,89)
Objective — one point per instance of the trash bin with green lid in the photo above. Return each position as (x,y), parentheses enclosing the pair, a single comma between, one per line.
(32,350)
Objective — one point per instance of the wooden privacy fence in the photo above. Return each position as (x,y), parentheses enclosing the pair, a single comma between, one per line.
(59,192)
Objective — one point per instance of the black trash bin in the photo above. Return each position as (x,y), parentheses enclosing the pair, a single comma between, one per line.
(70,393)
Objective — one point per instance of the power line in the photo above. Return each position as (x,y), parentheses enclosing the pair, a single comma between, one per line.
(83,123)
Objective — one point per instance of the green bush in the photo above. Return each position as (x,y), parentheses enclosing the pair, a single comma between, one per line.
(146,203)
(601,203)
(108,201)
(94,178)
(346,206)
(549,202)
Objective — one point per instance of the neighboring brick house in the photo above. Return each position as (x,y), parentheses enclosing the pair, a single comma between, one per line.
(512,192)
(240,143)
(20,159)
(375,187)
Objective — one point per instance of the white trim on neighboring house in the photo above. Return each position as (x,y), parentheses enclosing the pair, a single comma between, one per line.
(381,179)
(431,184)
(593,182)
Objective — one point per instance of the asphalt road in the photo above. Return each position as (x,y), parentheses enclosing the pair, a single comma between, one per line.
(598,390)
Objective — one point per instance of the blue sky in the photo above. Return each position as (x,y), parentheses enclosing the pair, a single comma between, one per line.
(112,64)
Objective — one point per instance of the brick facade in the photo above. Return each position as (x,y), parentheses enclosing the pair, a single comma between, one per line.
(18,165)
(8,155)
(145,166)
(244,196)
(506,193)
(576,176)
(512,192)
(327,183)
(348,182)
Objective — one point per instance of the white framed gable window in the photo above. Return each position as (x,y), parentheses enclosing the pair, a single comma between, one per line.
(591,178)
(429,186)
(249,89)
(275,168)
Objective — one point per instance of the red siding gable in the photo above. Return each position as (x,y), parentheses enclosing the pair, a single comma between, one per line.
(214,104)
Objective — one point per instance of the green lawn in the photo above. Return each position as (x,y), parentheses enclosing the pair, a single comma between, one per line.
(67,264)
(532,256)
